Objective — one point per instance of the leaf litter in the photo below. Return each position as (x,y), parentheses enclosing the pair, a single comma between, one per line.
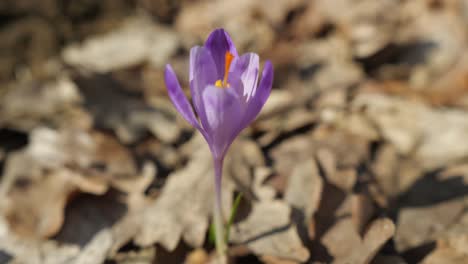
(357,157)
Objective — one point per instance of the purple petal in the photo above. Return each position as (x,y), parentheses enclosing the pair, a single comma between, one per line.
(200,57)
(218,43)
(202,75)
(260,95)
(223,117)
(245,69)
(178,97)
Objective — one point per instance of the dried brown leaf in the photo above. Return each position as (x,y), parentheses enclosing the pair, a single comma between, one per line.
(344,178)
(184,207)
(130,116)
(431,135)
(26,106)
(443,254)
(135,42)
(304,191)
(362,209)
(364,250)
(269,231)
(420,225)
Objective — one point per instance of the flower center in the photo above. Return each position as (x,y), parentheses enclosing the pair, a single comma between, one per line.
(228,59)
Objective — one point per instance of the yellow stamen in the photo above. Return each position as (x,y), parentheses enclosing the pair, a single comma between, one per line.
(228,59)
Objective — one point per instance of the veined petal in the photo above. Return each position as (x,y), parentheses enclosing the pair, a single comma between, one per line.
(245,69)
(201,57)
(218,43)
(178,97)
(202,74)
(224,114)
(259,96)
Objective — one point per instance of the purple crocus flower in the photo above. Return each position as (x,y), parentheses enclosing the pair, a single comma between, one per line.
(225,96)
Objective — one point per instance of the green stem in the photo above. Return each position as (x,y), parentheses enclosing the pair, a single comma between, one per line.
(218,210)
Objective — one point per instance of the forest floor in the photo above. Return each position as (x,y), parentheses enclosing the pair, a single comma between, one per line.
(359,156)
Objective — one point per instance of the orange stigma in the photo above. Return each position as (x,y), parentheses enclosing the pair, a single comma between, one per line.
(227,64)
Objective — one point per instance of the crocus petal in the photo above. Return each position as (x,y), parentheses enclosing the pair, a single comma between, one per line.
(245,69)
(178,97)
(218,43)
(202,75)
(223,117)
(202,57)
(260,95)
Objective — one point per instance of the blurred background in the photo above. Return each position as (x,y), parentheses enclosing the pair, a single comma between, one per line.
(359,156)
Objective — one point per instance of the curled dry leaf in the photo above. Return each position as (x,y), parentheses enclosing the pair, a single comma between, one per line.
(362,209)
(105,224)
(456,237)
(277,102)
(375,237)
(284,123)
(332,56)
(385,168)
(135,42)
(341,238)
(345,244)
(344,178)
(235,17)
(368,23)
(128,115)
(412,127)
(33,251)
(304,190)
(417,226)
(59,99)
(45,180)
(61,164)
(444,254)
(338,153)
(287,154)
(441,40)
(245,167)
(184,207)
(429,215)
(268,231)
(95,228)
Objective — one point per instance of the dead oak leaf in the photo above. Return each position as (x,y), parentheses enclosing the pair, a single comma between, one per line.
(184,206)
(345,244)
(304,190)
(268,231)
(62,163)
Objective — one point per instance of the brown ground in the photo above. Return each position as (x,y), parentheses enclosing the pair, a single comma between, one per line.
(359,156)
